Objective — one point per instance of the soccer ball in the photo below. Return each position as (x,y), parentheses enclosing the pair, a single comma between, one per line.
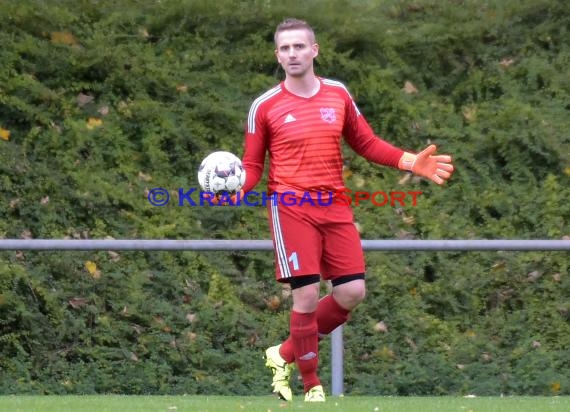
(221,173)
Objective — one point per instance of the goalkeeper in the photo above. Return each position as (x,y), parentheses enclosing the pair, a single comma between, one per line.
(299,123)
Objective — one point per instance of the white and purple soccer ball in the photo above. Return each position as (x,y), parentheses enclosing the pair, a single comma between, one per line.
(221,172)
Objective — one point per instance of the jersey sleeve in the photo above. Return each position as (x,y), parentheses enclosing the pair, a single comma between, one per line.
(362,139)
(255,148)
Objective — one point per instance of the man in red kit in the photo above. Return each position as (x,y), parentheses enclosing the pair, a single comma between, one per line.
(300,123)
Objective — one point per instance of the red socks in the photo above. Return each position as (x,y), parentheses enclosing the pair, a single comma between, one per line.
(286,350)
(328,317)
(304,336)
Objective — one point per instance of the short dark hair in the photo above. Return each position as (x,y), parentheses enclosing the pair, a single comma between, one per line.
(294,24)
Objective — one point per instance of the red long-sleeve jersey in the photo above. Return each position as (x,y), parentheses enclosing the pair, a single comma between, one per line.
(303,139)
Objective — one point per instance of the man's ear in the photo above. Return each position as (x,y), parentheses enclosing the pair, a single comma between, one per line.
(315,50)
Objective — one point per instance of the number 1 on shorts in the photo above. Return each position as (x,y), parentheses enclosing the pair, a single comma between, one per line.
(293,258)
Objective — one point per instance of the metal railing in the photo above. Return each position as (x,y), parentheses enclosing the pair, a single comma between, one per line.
(210,245)
(337,356)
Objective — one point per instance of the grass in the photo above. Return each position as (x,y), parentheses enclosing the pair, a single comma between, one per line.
(117,403)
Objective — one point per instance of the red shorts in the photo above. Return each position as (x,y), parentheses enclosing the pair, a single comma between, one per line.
(315,239)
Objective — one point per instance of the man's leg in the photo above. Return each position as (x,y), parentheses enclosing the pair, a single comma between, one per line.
(342,254)
(333,310)
(303,328)
(297,245)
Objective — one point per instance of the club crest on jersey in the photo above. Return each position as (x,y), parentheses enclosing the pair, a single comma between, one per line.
(328,114)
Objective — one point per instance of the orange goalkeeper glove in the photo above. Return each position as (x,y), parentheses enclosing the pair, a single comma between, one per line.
(437,168)
(230,200)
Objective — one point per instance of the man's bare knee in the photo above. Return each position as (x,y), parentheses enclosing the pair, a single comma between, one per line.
(351,294)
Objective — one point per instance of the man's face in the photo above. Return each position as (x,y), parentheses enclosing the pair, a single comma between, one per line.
(295,52)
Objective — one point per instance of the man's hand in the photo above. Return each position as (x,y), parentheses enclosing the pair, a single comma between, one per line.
(225,199)
(437,168)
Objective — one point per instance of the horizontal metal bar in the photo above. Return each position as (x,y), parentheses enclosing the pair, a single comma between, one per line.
(466,245)
(240,245)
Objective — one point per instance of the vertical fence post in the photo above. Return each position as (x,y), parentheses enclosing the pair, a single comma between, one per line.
(337,362)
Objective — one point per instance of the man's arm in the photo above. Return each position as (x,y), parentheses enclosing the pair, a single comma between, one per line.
(360,136)
(255,148)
